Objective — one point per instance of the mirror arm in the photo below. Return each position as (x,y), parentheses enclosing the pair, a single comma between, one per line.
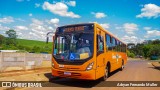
(48,36)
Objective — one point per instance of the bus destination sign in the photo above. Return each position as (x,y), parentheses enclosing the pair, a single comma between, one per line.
(72,29)
(80,28)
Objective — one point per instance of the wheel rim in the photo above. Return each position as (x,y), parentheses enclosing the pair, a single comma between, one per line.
(106,72)
(122,66)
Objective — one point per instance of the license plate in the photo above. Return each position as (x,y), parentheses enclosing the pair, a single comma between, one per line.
(67,73)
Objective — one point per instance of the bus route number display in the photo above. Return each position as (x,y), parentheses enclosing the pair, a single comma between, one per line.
(72,29)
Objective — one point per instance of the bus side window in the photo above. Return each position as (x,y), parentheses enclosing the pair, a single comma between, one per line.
(117,47)
(123,48)
(113,44)
(120,48)
(109,42)
(100,43)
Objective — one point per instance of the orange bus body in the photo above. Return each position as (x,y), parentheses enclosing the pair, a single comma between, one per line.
(111,57)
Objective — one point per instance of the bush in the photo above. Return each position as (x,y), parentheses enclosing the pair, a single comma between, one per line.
(36,49)
(130,54)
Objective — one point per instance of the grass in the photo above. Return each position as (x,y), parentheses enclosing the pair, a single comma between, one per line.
(32,43)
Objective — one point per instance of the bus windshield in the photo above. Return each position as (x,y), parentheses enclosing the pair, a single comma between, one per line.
(73,46)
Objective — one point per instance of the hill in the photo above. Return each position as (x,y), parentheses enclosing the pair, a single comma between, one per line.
(32,43)
(24,45)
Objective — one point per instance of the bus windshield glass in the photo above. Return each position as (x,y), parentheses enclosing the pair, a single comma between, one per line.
(73,46)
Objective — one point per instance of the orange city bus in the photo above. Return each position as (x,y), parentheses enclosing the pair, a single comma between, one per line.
(86,51)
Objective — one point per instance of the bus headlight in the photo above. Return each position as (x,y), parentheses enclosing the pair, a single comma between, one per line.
(52,64)
(90,66)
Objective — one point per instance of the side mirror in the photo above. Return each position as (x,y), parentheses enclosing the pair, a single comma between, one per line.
(47,39)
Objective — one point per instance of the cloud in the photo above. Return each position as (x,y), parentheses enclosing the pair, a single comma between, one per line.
(21,28)
(38,29)
(54,21)
(37,22)
(30,14)
(37,5)
(149,10)
(8,19)
(71,3)
(59,8)
(131,39)
(105,25)
(4,28)
(130,27)
(117,27)
(147,28)
(99,14)
(19,19)
(152,33)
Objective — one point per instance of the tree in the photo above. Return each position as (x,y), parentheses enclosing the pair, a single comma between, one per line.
(155,50)
(11,34)
(11,37)
(2,38)
(130,54)
(157,41)
(146,50)
(130,45)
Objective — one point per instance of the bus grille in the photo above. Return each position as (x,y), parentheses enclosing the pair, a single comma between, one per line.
(69,69)
(60,73)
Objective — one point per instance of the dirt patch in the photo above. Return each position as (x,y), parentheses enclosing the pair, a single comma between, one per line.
(24,72)
(45,64)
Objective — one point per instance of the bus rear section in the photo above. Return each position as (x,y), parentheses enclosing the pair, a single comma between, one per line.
(79,52)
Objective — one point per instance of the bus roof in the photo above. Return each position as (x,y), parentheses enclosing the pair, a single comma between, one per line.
(76,24)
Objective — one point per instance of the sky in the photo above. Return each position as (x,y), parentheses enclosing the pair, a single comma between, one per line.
(133,21)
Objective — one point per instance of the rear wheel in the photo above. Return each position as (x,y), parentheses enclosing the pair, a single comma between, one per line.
(122,65)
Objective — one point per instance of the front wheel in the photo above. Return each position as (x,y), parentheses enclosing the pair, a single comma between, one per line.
(106,72)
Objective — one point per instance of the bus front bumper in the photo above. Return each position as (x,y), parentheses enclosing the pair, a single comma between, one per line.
(88,75)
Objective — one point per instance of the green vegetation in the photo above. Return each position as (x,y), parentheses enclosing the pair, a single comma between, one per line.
(130,54)
(12,43)
(149,49)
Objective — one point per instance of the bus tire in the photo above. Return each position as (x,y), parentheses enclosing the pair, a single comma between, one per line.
(106,74)
(122,65)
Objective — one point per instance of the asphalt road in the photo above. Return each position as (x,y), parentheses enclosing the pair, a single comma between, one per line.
(135,70)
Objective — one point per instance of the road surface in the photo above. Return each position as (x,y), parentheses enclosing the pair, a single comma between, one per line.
(135,70)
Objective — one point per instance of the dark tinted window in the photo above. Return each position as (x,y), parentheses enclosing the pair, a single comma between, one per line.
(114,44)
(123,46)
(108,42)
